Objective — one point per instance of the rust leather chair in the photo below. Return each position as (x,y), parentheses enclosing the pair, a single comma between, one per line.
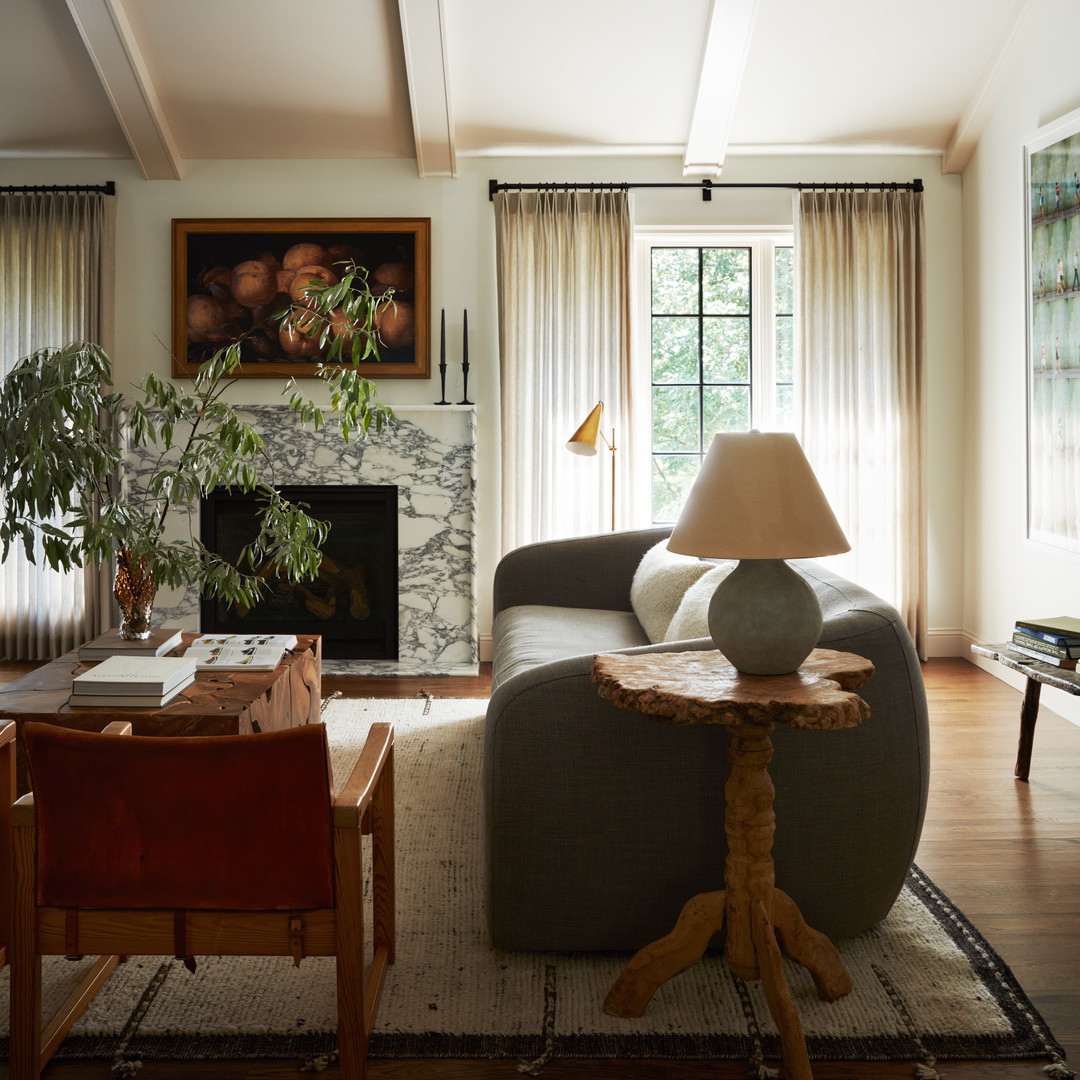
(7,796)
(222,845)
(104,965)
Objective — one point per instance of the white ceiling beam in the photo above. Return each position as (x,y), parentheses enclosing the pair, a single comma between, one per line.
(110,41)
(723,61)
(1002,63)
(423,36)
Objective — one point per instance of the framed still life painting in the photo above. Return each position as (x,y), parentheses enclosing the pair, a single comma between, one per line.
(1052,174)
(234,277)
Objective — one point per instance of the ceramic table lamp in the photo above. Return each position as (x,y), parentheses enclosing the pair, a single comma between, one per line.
(757,500)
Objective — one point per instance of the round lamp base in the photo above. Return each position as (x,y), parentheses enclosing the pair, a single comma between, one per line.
(764,617)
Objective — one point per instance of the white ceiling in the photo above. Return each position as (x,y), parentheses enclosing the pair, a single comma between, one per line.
(168,81)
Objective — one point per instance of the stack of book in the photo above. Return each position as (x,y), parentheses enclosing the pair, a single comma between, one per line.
(1053,641)
(112,644)
(132,682)
(240,652)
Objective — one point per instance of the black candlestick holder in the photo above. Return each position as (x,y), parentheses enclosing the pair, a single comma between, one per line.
(465,359)
(464,383)
(442,361)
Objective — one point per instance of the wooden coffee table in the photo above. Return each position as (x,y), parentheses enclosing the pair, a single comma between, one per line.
(216,703)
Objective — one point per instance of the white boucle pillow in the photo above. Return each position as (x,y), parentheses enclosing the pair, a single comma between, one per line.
(691,619)
(661,579)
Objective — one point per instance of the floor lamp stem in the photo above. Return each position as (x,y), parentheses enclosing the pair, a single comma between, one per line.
(611,448)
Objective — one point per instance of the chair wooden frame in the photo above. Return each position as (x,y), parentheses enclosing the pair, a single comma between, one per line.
(363,806)
(7,797)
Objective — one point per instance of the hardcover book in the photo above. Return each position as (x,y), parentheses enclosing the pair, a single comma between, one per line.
(145,675)
(112,644)
(124,701)
(1063,625)
(1054,661)
(278,641)
(235,657)
(1027,640)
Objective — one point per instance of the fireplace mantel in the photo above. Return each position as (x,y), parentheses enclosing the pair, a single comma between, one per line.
(431,458)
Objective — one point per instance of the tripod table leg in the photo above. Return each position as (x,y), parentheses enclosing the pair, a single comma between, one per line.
(702,916)
(809,947)
(778,995)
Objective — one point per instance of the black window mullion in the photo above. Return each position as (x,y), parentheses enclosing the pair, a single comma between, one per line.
(701,353)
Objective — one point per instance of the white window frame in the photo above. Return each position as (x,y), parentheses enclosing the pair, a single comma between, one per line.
(762,240)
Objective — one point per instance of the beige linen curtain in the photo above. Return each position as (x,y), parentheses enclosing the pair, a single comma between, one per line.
(860,356)
(56,273)
(563,262)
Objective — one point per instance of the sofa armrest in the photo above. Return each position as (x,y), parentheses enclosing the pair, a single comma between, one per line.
(575,667)
(585,572)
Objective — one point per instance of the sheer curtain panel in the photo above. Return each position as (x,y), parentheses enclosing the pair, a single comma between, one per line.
(56,271)
(563,262)
(861,342)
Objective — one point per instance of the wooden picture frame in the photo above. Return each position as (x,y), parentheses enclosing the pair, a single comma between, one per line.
(1052,185)
(208,314)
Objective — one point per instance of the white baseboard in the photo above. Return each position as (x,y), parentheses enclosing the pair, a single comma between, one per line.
(941,642)
(486,648)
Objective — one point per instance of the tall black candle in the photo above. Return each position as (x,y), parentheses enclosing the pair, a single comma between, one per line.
(442,361)
(465,360)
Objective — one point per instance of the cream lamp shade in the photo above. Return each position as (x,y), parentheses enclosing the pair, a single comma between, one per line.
(756,499)
(583,441)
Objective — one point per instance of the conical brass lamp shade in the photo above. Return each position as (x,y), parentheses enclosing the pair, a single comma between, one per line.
(583,441)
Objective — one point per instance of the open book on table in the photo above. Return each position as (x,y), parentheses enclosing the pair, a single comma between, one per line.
(236,652)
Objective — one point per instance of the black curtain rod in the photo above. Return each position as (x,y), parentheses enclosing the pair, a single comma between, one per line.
(706,187)
(108,188)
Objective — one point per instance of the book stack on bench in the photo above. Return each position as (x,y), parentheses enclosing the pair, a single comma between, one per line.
(1053,641)
(132,682)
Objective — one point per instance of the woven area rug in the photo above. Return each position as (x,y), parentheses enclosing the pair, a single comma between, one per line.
(927,986)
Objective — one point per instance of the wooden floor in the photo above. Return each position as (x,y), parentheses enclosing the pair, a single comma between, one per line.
(1006,852)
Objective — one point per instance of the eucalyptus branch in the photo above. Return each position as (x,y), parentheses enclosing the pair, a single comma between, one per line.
(59,450)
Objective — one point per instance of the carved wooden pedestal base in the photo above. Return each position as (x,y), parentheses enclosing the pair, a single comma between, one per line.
(762,921)
(757,914)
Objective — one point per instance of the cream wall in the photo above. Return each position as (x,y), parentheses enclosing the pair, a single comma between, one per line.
(1005,576)
(463,276)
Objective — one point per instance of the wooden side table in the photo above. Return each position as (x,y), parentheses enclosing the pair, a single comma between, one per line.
(703,688)
(1038,675)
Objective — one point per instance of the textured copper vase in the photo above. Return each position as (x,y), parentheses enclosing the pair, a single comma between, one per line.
(134,590)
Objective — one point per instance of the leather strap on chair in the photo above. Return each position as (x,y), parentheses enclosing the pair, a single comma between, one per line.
(296,937)
(71,934)
(180,944)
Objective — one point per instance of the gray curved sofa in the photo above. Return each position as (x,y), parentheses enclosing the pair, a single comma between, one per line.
(600,823)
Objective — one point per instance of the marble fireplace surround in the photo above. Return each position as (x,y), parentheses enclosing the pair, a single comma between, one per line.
(430,457)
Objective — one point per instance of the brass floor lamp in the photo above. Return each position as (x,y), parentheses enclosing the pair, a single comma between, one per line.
(584,440)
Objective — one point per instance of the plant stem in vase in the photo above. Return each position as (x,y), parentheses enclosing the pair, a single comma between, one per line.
(134,590)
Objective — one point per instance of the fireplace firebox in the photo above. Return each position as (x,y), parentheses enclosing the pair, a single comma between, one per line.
(353,603)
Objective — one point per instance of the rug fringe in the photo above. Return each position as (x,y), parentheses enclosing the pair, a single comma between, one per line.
(1059,1070)
(319,1062)
(122,1068)
(535,1068)
(927,1070)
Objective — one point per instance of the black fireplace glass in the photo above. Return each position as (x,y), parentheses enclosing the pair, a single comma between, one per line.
(353,603)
